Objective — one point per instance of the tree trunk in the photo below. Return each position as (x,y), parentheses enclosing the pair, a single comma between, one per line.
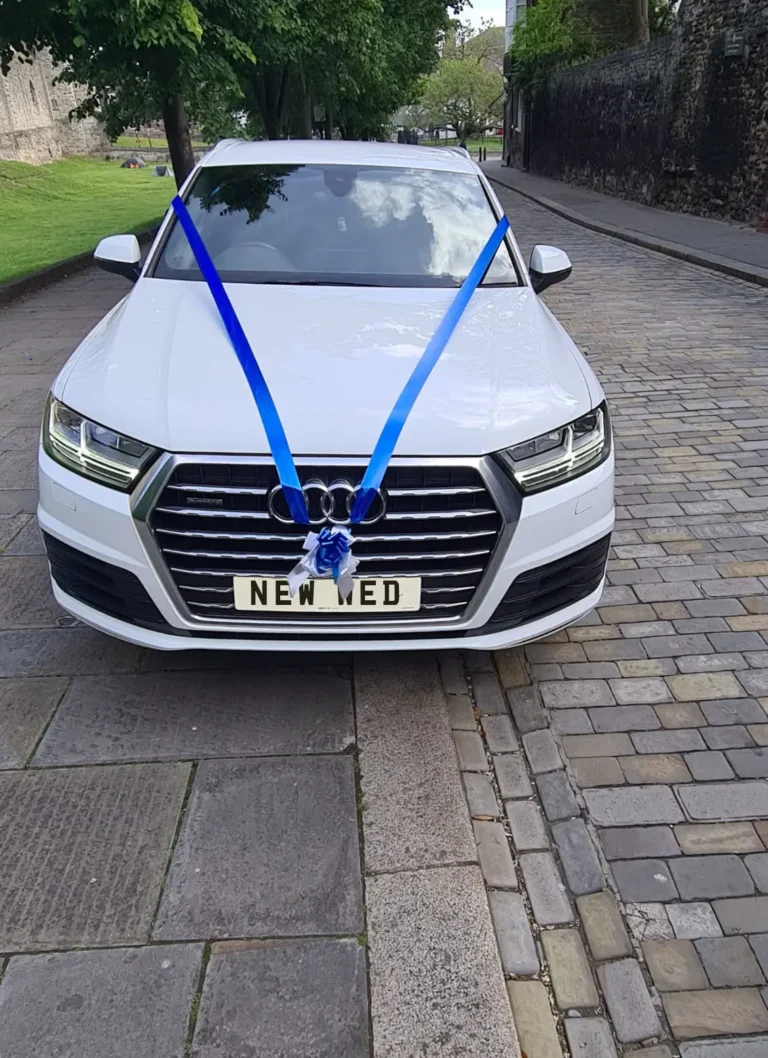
(641,33)
(179,139)
(269,89)
(305,106)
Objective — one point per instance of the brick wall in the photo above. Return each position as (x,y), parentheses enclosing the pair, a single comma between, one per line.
(34,123)
(677,123)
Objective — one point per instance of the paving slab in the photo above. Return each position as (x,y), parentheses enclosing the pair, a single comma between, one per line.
(272,998)
(64,652)
(481,795)
(748,914)
(633,843)
(675,965)
(729,962)
(759,943)
(734,800)
(715,1012)
(268,848)
(513,933)
(548,895)
(556,795)
(578,857)
(415,811)
(194,715)
(569,969)
(92,1004)
(754,1047)
(533,1019)
(26,707)
(707,838)
(91,844)
(633,806)
(629,1002)
(707,877)
(26,600)
(590,1038)
(436,979)
(758,868)
(527,826)
(606,934)
(494,854)
(644,881)
(694,920)
(28,542)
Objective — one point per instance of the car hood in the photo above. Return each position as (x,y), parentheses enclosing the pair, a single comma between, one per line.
(160,368)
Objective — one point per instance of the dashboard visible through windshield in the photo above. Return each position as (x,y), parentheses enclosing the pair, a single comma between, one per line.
(337,225)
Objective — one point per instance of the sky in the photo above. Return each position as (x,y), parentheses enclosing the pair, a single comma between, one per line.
(485,9)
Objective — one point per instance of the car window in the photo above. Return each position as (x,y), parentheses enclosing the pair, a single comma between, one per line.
(341,224)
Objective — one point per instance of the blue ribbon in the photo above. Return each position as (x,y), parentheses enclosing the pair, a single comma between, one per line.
(385,446)
(331,549)
(273,427)
(393,427)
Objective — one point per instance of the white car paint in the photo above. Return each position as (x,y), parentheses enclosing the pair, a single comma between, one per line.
(159,368)
(162,369)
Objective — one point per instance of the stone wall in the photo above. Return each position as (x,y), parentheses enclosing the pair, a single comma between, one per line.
(680,123)
(34,122)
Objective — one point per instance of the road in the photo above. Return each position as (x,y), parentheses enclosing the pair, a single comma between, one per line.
(210,855)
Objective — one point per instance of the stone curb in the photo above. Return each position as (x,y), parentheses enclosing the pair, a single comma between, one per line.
(29,284)
(714,262)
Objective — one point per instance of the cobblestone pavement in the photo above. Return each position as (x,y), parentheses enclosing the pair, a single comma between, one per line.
(213,856)
(657,704)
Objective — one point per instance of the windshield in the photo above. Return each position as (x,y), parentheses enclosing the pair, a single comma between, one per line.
(337,224)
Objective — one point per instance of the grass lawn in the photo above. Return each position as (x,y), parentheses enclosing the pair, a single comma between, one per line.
(491,143)
(147,143)
(50,212)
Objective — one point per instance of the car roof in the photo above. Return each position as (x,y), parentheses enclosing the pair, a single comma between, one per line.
(337,152)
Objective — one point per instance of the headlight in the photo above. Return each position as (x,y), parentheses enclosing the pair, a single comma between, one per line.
(560,455)
(93,450)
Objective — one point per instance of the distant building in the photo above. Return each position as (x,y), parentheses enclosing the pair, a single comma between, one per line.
(34,122)
(514,105)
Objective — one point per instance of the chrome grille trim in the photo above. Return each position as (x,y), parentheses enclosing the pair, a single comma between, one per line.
(503,508)
(391,573)
(294,556)
(227,489)
(286,538)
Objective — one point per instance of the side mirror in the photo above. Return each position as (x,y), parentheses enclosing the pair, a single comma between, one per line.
(120,254)
(548,266)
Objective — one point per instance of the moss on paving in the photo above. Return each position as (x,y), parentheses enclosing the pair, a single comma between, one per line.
(51,212)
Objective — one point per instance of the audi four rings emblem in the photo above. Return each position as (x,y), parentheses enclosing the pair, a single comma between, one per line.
(326,503)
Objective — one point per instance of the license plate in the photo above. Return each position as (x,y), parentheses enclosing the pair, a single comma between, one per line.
(369,595)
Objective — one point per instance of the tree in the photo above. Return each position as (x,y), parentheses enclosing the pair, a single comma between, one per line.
(661,16)
(140,60)
(554,33)
(299,54)
(360,59)
(463,94)
(403,50)
(639,22)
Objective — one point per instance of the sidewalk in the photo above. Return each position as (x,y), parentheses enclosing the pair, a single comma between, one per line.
(731,248)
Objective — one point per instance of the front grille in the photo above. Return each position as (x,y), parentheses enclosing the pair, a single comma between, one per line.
(107,588)
(212,522)
(544,590)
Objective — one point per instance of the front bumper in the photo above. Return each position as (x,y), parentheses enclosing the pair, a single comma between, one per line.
(102,523)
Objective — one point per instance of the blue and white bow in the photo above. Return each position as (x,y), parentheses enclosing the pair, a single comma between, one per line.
(329,551)
(328,554)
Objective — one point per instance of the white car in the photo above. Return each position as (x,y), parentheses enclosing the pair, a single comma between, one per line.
(164,518)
